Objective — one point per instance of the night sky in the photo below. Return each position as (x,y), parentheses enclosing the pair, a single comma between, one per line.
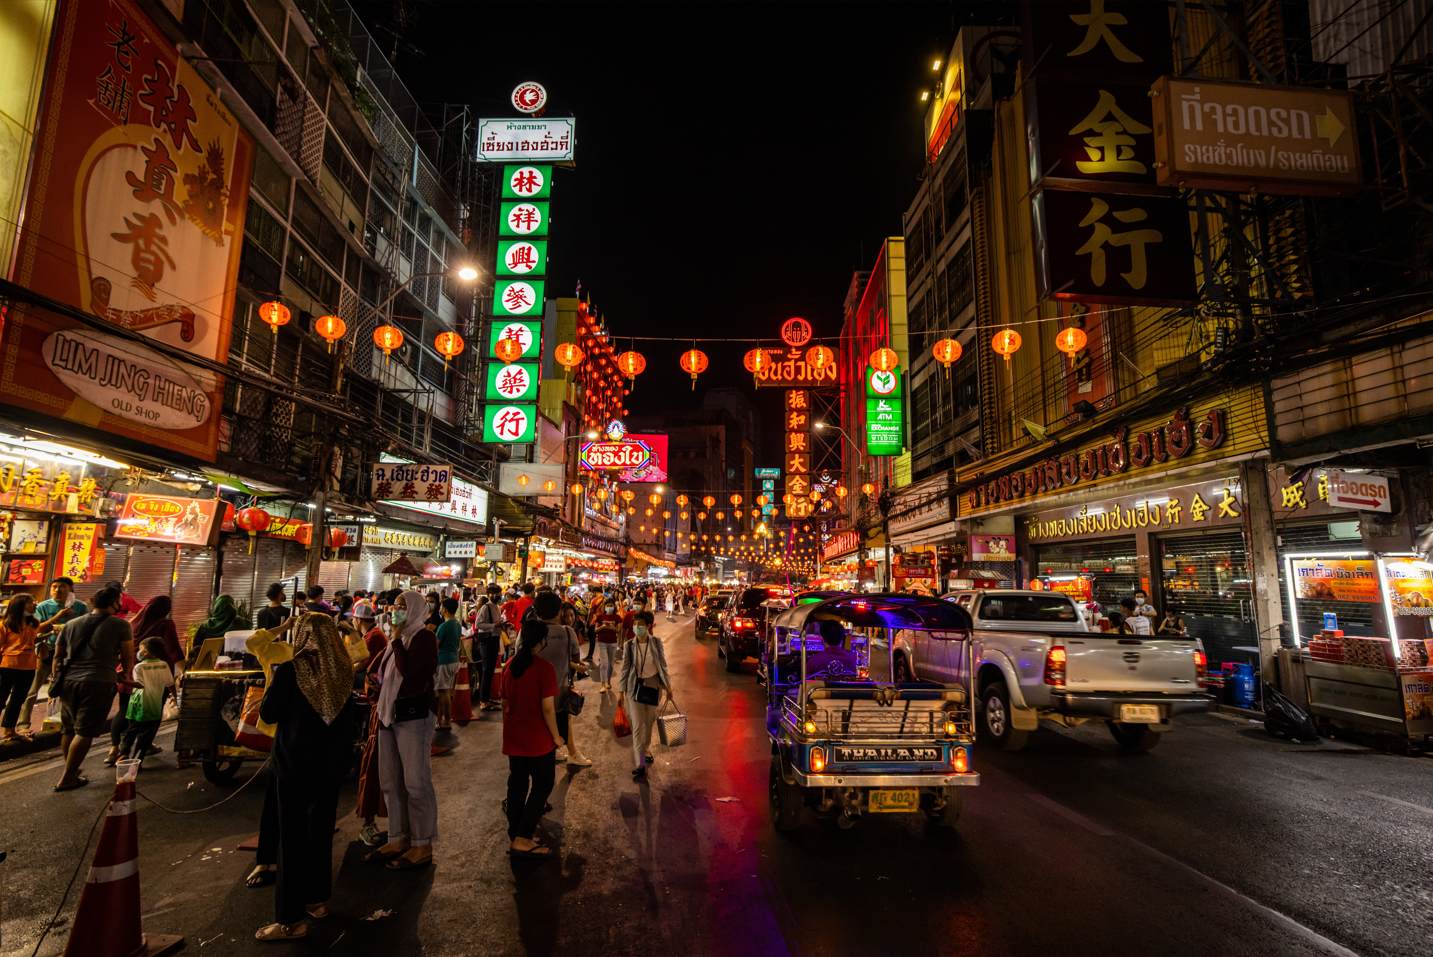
(735,162)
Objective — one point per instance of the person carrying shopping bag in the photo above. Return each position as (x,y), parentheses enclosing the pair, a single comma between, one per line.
(644,680)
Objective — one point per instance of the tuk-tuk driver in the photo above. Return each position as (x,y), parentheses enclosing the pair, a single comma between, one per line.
(832,659)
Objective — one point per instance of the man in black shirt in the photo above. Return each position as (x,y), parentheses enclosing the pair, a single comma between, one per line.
(91,650)
(275,613)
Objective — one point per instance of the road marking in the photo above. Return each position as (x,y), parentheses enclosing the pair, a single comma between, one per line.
(1069,815)
(1394,800)
(1313,937)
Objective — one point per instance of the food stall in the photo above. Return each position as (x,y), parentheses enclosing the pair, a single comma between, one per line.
(1379,683)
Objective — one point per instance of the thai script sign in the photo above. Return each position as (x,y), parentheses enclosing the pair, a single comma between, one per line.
(1366,492)
(468,549)
(1193,506)
(166,518)
(1336,580)
(599,456)
(1243,136)
(1410,589)
(1166,443)
(789,367)
(400,482)
(135,213)
(547,140)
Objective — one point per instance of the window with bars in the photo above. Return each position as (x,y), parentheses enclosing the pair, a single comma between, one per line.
(1112,566)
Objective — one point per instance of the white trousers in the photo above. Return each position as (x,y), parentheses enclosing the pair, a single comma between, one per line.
(606,660)
(405,772)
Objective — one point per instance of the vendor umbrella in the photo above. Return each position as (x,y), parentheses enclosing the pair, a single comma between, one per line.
(401,567)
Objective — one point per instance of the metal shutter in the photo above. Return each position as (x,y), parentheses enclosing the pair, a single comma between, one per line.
(268,568)
(367,572)
(1112,564)
(1206,582)
(194,585)
(295,569)
(237,572)
(150,572)
(333,576)
(116,556)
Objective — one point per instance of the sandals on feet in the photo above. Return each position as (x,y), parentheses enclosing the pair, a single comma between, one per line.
(381,856)
(282,931)
(261,875)
(70,787)
(537,850)
(317,911)
(402,863)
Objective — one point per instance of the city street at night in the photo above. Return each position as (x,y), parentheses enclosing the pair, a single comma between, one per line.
(1222,841)
(858,479)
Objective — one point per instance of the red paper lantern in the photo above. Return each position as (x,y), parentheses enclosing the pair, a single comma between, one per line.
(819,357)
(884,359)
(448,344)
(1006,342)
(387,338)
(1071,341)
(631,365)
(253,519)
(694,361)
(946,351)
(331,328)
(568,355)
(508,350)
(275,314)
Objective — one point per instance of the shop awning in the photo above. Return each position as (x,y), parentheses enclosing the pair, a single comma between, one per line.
(923,536)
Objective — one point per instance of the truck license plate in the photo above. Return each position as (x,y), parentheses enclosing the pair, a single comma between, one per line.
(1139,713)
(906,799)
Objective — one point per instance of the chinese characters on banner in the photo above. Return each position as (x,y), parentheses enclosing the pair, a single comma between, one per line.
(35,482)
(399,482)
(510,415)
(1088,68)
(81,556)
(135,213)
(164,518)
(798,453)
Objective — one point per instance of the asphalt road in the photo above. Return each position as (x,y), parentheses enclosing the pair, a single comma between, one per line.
(1222,841)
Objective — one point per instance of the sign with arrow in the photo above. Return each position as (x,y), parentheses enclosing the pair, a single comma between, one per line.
(1367,493)
(1242,136)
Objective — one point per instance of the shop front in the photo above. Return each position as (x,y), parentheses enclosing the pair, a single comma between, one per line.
(923,533)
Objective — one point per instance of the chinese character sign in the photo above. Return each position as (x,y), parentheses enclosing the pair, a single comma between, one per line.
(518,297)
(527,182)
(1096,37)
(522,257)
(81,555)
(512,383)
(1122,250)
(135,214)
(523,219)
(509,423)
(35,482)
(401,482)
(1092,131)
(525,334)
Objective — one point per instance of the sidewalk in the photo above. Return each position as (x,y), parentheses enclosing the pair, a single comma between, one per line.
(45,738)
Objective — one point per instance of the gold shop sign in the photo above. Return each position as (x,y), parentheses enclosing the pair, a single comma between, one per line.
(1187,438)
(1188,507)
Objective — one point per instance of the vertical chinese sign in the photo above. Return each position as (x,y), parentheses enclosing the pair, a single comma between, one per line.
(1104,232)
(510,414)
(81,552)
(798,453)
(135,214)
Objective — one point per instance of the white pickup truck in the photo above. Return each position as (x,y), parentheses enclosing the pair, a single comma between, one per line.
(1034,657)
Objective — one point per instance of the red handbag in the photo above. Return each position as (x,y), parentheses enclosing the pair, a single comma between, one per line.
(620,725)
(249,736)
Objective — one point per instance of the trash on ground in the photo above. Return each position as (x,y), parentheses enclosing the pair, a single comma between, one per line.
(380,914)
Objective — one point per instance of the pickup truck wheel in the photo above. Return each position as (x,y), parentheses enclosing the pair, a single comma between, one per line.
(903,671)
(1134,738)
(949,815)
(998,726)
(786,800)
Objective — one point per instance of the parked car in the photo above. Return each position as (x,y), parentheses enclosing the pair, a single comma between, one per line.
(709,612)
(740,634)
(1034,657)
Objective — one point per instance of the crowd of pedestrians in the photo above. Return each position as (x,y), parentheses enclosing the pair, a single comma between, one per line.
(112,664)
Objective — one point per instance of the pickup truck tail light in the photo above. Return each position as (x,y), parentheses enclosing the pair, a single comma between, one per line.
(1055,666)
(818,760)
(741,624)
(1201,668)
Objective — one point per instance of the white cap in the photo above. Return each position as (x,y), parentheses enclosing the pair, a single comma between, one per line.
(363,609)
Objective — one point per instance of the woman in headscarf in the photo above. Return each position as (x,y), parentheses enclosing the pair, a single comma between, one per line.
(223,617)
(407,704)
(309,701)
(153,622)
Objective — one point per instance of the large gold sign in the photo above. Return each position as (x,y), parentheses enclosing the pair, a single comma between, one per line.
(1165,510)
(1242,136)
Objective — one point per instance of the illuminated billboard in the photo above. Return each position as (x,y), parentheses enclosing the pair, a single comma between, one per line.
(635,458)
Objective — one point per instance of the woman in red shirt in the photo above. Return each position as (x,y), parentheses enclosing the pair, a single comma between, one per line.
(530,738)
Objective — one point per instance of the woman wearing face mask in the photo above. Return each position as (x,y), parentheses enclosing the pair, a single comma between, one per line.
(406,706)
(644,664)
(639,605)
(608,625)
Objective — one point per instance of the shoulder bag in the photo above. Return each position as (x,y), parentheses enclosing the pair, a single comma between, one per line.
(573,703)
(62,670)
(646,694)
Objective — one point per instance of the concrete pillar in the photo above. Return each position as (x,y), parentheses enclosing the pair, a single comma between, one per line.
(1263,560)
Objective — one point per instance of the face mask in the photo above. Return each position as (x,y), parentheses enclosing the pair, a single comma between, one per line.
(639,606)
(400,617)
(610,609)
(641,630)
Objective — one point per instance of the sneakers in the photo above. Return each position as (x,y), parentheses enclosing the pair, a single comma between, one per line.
(579,759)
(371,835)
(561,755)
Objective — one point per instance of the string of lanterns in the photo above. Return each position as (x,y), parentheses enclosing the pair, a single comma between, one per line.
(332,328)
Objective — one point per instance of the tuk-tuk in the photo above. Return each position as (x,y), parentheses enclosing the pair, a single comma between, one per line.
(844,741)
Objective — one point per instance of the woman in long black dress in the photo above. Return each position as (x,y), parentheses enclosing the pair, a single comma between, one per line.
(309,700)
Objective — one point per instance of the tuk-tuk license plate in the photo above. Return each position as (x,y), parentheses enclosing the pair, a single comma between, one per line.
(906,799)
(1139,713)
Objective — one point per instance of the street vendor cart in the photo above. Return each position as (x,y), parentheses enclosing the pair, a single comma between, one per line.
(1374,683)
(210,705)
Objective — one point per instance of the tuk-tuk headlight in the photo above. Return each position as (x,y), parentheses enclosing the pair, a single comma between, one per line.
(810,726)
(961,760)
(818,760)
(950,727)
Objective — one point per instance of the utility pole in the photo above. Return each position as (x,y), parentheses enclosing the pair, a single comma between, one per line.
(319,521)
(884,503)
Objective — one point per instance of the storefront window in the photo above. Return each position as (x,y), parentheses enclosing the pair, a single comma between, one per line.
(1206,585)
(1111,568)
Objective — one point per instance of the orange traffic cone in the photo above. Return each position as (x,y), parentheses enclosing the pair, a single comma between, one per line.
(107,920)
(462,696)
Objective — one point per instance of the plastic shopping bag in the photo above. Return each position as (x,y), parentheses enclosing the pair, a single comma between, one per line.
(249,736)
(621,727)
